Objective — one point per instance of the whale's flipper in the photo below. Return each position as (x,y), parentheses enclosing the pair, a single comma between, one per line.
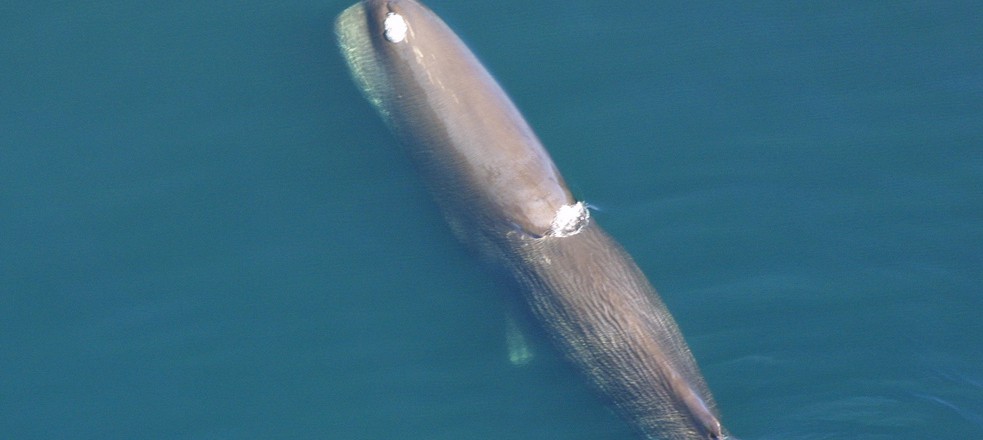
(520,352)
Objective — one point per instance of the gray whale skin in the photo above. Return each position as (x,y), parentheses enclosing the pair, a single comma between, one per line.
(502,194)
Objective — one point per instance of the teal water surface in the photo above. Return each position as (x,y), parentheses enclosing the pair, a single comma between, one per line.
(206,232)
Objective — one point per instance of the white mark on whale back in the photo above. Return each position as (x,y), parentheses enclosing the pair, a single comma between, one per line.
(395,27)
(570,220)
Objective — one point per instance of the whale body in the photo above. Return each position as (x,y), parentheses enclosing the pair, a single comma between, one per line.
(501,194)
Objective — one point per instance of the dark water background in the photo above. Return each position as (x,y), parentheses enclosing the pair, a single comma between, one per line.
(205,232)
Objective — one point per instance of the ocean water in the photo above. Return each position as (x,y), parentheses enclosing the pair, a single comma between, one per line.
(206,232)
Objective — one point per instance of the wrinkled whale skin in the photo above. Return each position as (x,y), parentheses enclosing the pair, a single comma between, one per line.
(501,194)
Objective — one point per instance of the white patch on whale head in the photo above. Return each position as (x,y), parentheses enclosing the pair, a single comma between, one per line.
(395,27)
(570,220)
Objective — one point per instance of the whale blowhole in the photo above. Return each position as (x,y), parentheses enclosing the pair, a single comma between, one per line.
(570,220)
(395,27)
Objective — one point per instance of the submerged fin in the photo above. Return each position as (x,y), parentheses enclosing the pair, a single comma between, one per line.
(520,352)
